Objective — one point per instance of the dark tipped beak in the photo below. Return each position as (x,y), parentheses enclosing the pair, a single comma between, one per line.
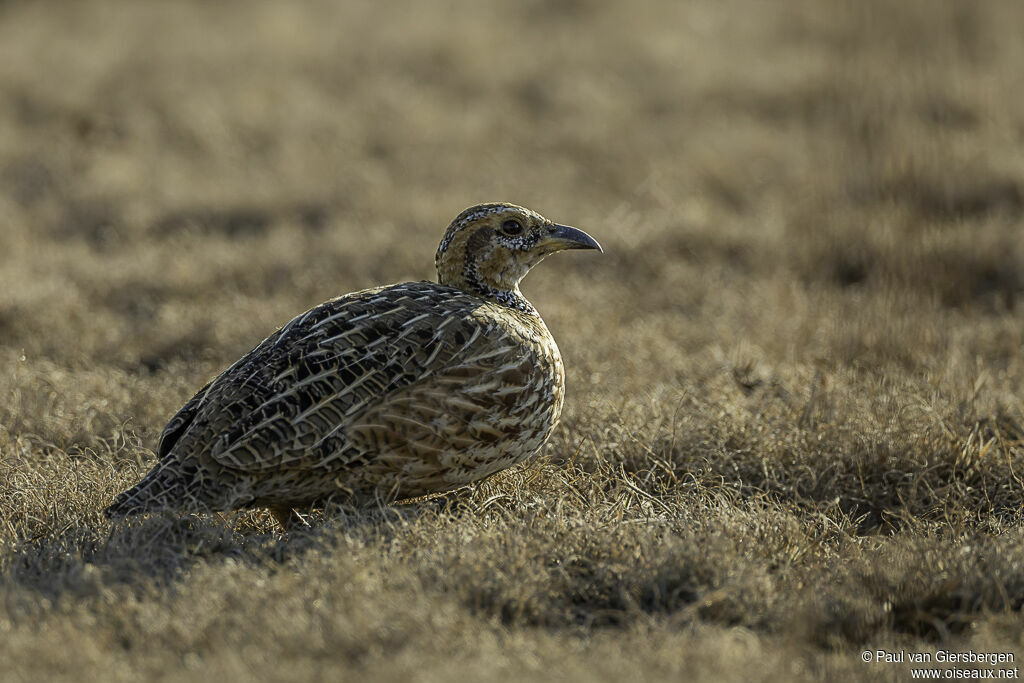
(563,237)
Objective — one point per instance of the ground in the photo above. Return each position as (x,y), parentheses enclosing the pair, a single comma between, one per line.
(794,424)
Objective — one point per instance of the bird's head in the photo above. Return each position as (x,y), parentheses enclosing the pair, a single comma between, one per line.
(488,249)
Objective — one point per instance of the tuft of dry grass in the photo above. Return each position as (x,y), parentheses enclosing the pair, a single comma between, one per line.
(795,423)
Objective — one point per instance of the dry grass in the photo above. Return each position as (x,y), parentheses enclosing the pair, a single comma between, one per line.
(795,416)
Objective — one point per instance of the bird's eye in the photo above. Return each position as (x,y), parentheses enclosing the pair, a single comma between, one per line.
(511,227)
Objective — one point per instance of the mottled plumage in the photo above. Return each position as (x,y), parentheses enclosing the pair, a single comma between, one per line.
(381,394)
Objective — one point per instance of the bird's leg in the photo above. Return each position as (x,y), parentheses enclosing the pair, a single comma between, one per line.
(285,516)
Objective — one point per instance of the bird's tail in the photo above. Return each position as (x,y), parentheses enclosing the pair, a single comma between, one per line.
(162,487)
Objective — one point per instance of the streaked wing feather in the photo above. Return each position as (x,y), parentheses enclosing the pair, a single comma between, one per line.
(296,411)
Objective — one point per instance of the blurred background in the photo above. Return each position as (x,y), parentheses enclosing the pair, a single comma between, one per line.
(788,181)
(794,418)
(780,187)
(791,183)
(171,173)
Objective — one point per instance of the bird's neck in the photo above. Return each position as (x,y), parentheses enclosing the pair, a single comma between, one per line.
(475,283)
(469,279)
(511,299)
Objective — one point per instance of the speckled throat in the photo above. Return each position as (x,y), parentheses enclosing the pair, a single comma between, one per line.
(476,285)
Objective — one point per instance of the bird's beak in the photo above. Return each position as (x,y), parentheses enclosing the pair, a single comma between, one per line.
(561,237)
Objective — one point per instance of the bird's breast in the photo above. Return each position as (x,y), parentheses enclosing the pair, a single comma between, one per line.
(539,363)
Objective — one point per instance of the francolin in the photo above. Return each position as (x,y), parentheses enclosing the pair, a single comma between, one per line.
(382,394)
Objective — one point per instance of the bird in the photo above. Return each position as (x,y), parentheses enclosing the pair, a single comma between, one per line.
(380,395)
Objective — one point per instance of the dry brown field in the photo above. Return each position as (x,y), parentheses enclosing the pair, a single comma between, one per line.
(794,427)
